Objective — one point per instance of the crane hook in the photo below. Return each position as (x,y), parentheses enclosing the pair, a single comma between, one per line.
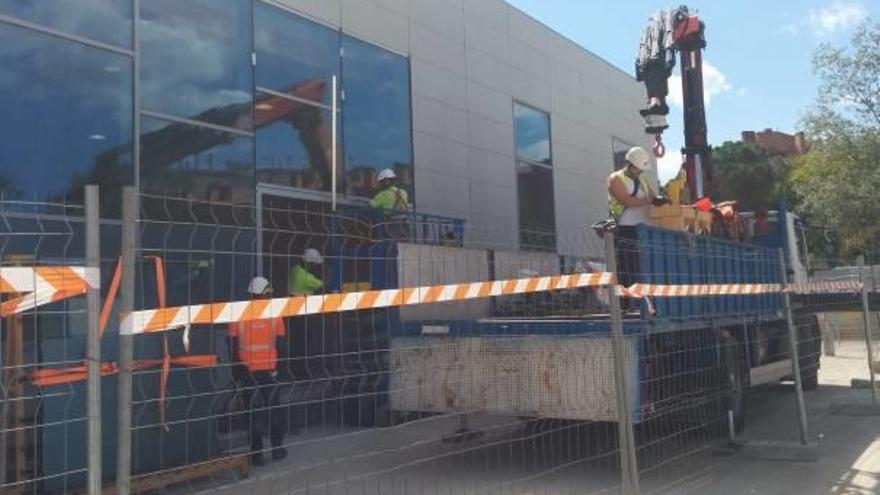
(659,148)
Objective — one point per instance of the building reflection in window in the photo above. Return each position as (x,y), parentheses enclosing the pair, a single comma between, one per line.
(534,173)
(295,56)
(293,144)
(194,162)
(376,116)
(69,119)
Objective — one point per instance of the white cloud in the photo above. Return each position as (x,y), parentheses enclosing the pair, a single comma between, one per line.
(669,165)
(836,17)
(714,84)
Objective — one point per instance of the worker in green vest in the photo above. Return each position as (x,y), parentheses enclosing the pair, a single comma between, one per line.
(302,281)
(390,196)
(630,195)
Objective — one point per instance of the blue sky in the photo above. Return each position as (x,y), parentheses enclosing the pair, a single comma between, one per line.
(759,53)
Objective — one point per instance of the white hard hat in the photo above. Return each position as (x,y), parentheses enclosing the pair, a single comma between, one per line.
(639,158)
(387,174)
(313,256)
(259,286)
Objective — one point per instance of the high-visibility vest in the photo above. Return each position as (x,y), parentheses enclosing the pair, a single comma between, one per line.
(616,207)
(393,198)
(256,342)
(302,283)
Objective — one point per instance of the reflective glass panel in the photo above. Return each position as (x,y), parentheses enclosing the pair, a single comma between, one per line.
(532,134)
(108,21)
(293,144)
(196,60)
(376,116)
(294,55)
(537,217)
(69,118)
(195,162)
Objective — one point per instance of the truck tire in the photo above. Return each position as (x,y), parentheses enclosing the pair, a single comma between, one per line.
(809,353)
(735,382)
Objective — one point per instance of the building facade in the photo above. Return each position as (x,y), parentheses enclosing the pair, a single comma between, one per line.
(485,114)
(778,143)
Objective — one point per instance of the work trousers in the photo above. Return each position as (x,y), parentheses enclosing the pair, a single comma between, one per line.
(267,416)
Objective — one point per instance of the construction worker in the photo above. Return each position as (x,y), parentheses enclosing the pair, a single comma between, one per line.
(390,196)
(254,342)
(302,281)
(630,196)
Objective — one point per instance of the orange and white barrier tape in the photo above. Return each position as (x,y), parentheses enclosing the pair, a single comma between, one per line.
(44,284)
(162,319)
(686,290)
(825,287)
(158,320)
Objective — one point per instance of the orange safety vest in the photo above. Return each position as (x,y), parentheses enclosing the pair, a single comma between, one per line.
(256,342)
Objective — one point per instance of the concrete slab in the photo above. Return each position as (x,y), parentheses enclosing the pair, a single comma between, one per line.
(854,409)
(780,451)
(863,383)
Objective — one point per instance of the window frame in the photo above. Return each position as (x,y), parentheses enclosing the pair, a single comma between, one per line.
(517,160)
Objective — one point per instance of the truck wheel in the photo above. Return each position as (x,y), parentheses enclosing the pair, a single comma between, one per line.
(809,354)
(735,383)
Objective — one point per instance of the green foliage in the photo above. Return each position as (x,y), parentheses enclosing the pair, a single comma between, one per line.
(838,181)
(748,174)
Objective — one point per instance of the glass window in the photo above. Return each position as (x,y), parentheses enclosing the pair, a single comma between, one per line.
(69,118)
(195,162)
(619,149)
(293,144)
(294,55)
(196,60)
(537,217)
(376,116)
(108,21)
(534,174)
(532,134)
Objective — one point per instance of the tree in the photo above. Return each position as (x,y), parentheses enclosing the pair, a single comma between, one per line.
(837,182)
(749,175)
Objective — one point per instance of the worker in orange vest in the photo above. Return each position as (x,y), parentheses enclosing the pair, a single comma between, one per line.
(254,342)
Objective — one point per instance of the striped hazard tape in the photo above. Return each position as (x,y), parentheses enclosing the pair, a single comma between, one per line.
(162,319)
(158,320)
(826,287)
(44,284)
(696,290)
(685,290)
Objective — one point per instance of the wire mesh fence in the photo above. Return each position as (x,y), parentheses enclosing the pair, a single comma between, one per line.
(43,423)
(289,348)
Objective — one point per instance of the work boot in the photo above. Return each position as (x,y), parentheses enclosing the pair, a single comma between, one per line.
(279,453)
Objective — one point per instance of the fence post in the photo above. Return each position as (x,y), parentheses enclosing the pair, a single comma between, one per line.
(793,351)
(126,343)
(93,342)
(866,316)
(629,469)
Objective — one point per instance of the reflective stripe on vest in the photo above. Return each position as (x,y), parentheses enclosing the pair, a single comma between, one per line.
(245,346)
(615,207)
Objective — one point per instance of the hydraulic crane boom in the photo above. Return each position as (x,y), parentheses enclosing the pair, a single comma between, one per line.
(669,32)
(690,42)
